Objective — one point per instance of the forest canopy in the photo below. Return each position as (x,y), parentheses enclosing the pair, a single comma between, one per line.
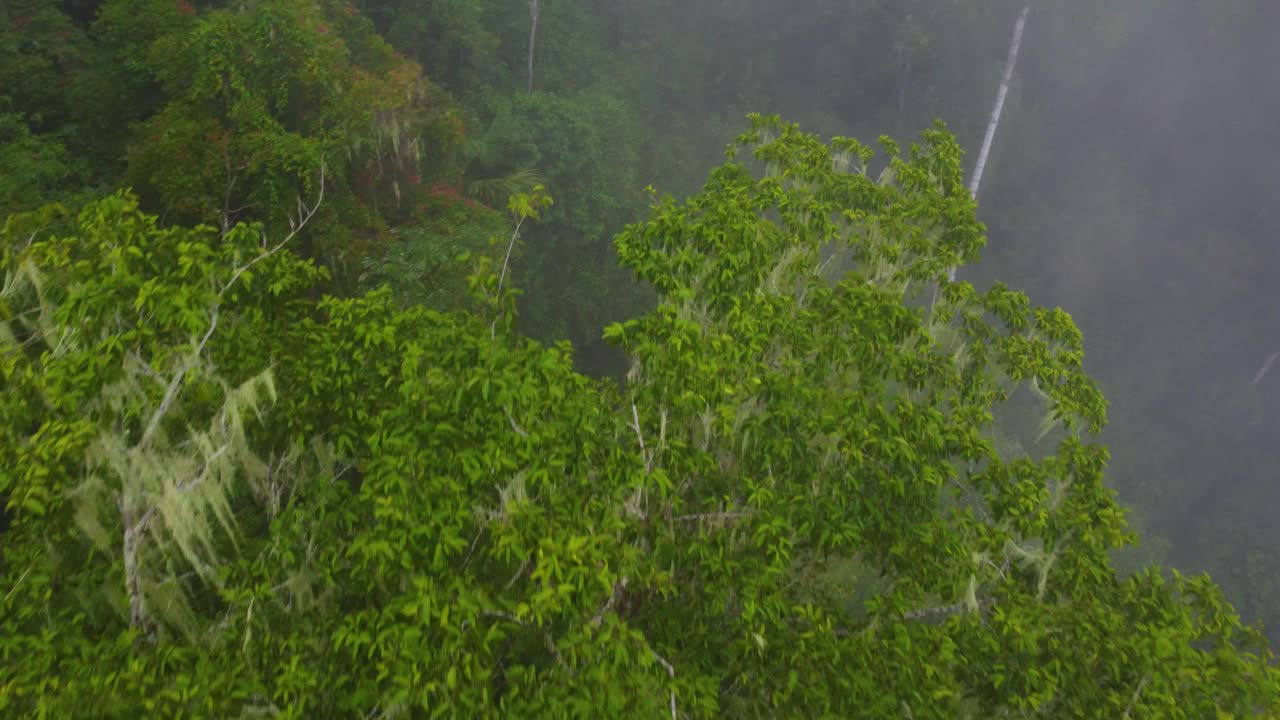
(323,393)
(229,497)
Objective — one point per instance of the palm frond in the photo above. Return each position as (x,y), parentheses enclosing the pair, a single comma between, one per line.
(495,191)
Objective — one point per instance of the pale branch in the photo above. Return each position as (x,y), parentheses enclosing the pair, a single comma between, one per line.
(295,226)
(503,275)
(945,610)
(171,392)
(16,584)
(510,246)
(671,673)
(502,615)
(471,549)
(147,369)
(533,36)
(139,617)
(618,589)
(635,419)
(1266,367)
(227,212)
(697,517)
(650,454)
(519,571)
(262,706)
(1136,693)
(555,652)
(514,426)
(975,183)
(248,625)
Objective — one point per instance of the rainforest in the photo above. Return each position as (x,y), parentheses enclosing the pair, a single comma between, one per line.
(639,359)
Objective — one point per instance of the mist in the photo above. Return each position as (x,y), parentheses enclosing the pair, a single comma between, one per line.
(1156,230)
(1130,182)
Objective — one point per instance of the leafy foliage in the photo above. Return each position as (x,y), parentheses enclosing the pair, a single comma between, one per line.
(439,516)
(34,169)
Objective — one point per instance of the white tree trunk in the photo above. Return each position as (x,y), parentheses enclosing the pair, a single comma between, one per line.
(533,36)
(976,181)
(1010,62)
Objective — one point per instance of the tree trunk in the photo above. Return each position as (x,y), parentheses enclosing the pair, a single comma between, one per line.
(139,615)
(1009,63)
(975,183)
(533,36)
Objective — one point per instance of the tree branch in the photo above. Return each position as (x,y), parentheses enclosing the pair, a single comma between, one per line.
(1137,691)
(975,183)
(1266,367)
(671,673)
(171,392)
(696,517)
(945,610)
(295,226)
(533,36)
(503,275)
(618,589)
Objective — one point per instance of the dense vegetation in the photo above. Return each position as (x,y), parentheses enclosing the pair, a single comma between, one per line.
(308,411)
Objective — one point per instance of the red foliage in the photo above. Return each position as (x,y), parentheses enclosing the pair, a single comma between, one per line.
(445,191)
(185,8)
(20,21)
(322,29)
(351,9)
(413,178)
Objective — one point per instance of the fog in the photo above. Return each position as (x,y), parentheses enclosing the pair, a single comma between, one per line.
(1149,214)
(1130,183)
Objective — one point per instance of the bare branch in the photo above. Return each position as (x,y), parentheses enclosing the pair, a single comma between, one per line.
(171,392)
(304,216)
(1138,691)
(519,571)
(697,517)
(644,453)
(671,673)
(502,615)
(503,275)
(1010,62)
(618,588)
(472,549)
(1266,367)
(533,36)
(551,645)
(147,369)
(975,183)
(14,589)
(510,246)
(514,426)
(945,610)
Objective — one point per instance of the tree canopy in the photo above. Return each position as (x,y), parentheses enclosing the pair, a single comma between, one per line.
(230,495)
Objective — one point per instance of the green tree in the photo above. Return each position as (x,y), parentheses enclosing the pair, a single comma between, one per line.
(791,508)
(34,169)
(262,99)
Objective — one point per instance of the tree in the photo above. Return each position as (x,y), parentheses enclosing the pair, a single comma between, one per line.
(533,37)
(260,97)
(792,506)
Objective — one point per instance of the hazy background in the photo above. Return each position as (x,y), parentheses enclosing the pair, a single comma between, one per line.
(1132,182)
(1149,213)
